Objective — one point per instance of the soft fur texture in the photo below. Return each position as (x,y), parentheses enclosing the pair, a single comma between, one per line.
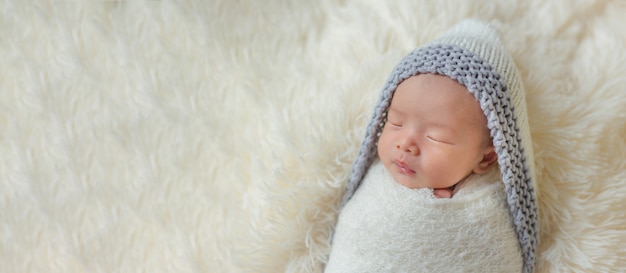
(217,136)
(387,227)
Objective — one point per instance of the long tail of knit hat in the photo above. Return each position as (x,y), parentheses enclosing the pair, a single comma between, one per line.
(472,54)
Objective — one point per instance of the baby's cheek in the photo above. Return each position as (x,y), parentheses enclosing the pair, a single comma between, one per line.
(440,174)
(382,145)
(379,149)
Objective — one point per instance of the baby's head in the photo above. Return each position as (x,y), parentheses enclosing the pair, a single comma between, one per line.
(435,134)
(454,107)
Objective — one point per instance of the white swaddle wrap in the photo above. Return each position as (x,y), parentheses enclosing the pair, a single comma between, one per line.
(387,227)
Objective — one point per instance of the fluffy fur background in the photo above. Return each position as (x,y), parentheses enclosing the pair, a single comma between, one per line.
(216,136)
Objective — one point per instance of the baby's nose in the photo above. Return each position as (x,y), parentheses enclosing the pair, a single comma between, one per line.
(409,145)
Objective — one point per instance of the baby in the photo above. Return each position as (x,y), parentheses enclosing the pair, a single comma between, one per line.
(430,198)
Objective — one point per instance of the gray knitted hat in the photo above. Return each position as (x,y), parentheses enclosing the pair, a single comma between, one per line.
(472,54)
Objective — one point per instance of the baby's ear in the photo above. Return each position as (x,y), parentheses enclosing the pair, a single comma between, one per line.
(489,157)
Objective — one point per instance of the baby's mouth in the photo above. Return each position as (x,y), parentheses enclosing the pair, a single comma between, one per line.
(404,169)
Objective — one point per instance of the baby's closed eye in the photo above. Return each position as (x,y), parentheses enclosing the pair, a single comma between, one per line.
(440,139)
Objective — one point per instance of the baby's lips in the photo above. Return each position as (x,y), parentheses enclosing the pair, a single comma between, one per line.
(403,167)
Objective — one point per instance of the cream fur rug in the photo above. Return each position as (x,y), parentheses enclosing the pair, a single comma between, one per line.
(216,136)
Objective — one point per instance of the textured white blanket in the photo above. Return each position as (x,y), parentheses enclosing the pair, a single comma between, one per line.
(389,228)
(217,136)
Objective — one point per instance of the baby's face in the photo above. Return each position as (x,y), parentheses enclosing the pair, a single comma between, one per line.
(435,135)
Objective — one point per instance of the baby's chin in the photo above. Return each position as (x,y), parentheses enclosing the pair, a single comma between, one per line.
(408,183)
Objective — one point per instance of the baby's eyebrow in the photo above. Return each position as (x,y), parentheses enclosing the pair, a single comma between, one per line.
(433,124)
(437,124)
(447,127)
(394,110)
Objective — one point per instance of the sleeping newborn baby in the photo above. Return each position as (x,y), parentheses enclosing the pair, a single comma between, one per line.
(444,175)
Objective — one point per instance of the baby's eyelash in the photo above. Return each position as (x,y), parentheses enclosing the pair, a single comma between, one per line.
(436,140)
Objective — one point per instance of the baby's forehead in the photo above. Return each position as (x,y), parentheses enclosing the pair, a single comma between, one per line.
(436,86)
(437,99)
